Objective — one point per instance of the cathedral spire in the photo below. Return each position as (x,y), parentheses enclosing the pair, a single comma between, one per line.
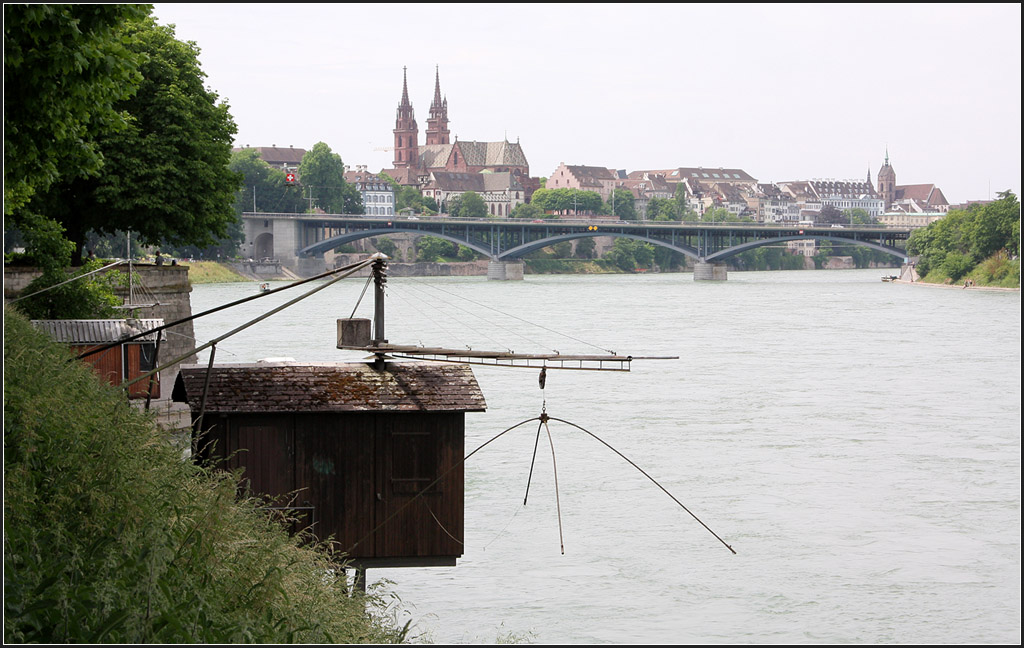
(437,87)
(437,123)
(405,89)
(406,131)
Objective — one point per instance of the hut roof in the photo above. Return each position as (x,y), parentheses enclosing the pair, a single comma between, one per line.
(99,331)
(332,387)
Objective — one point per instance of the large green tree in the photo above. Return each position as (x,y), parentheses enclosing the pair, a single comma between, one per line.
(471,205)
(621,203)
(322,173)
(962,239)
(165,175)
(264,188)
(66,70)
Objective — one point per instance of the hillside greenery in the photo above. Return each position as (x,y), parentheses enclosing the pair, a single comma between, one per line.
(981,243)
(110,536)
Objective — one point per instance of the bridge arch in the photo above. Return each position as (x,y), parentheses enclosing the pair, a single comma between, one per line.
(520,250)
(263,247)
(728,253)
(329,244)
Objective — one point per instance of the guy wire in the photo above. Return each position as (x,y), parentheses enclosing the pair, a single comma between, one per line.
(520,319)
(486,321)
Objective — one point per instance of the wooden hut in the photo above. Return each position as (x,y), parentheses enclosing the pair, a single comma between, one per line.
(369,457)
(119,364)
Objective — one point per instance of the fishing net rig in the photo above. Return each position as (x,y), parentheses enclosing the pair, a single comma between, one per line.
(382,350)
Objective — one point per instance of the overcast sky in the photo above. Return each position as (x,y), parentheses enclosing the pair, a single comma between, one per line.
(784,92)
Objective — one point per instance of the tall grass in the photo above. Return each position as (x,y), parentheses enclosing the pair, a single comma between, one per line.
(110,537)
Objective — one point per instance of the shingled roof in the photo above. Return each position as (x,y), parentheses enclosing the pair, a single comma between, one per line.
(98,331)
(332,387)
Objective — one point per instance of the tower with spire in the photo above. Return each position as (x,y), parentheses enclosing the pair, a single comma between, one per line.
(887,182)
(437,123)
(406,131)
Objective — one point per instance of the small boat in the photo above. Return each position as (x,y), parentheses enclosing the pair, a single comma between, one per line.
(889,278)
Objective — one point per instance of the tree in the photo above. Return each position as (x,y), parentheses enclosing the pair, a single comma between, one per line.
(471,205)
(433,248)
(323,177)
(718,215)
(264,188)
(66,70)
(629,254)
(976,234)
(829,215)
(585,248)
(528,211)
(621,204)
(165,175)
(663,209)
(858,216)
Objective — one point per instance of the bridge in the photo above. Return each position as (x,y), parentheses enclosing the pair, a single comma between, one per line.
(299,241)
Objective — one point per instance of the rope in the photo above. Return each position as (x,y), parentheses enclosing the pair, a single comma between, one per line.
(516,317)
(653,480)
(490,324)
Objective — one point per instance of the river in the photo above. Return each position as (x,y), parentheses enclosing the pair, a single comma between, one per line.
(856,442)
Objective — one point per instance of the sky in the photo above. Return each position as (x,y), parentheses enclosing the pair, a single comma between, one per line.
(784,92)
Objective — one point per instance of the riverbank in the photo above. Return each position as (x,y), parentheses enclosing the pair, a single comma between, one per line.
(961,287)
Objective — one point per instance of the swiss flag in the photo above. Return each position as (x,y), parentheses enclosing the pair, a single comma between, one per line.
(289,178)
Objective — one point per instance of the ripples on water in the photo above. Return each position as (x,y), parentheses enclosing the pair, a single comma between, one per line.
(856,442)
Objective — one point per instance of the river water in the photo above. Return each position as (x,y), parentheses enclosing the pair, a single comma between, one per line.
(856,442)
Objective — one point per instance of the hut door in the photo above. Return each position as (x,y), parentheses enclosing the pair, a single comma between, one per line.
(264,445)
(423,513)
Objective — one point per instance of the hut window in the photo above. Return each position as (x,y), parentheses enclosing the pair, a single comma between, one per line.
(413,462)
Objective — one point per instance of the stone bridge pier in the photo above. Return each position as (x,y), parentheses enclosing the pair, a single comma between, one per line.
(704,271)
(505,270)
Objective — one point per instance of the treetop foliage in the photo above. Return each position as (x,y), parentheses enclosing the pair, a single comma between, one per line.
(112,128)
(962,239)
(66,67)
(323,176)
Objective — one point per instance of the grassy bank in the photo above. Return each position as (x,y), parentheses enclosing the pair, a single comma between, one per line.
(110,537)
(997,271)
(204,272)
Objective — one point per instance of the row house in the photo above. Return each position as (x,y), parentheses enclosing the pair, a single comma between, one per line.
(584,178)
(502,192)
(701,174)
(377,193)
(769,204)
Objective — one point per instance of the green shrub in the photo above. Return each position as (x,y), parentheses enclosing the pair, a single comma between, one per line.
(110,537)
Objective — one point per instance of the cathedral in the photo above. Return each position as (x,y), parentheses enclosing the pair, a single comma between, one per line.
(413,163)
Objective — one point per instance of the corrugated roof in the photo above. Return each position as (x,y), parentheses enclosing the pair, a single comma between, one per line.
(101,331)
(332,387)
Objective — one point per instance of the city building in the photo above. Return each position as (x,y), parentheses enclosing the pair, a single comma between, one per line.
(501,191)
(377,193)
(600,180)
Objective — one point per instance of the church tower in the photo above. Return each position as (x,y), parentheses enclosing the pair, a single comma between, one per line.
(437,123)
(406,131)
(887,183)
